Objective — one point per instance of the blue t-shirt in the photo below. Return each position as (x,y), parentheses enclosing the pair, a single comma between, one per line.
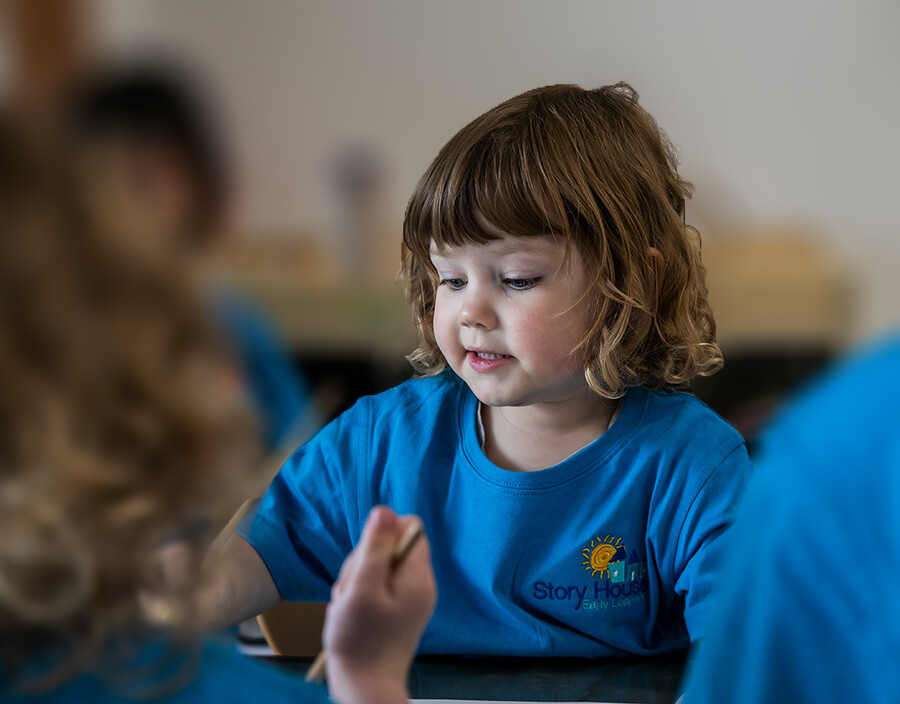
(611,552)
(809,610)
(212,672)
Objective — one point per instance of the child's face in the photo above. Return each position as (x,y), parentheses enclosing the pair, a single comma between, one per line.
(506,319)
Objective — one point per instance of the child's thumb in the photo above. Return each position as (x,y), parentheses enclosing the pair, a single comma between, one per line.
(376,545)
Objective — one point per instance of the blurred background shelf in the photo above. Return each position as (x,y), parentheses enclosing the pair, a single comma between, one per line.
(777,288)
(318,308)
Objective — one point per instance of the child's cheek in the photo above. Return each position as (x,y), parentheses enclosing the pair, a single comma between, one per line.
(549,339)
(445,334)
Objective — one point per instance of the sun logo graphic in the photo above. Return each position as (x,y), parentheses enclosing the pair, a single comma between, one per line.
(600,553)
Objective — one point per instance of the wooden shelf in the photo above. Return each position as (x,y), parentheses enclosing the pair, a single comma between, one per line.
(777,291)
(315,309)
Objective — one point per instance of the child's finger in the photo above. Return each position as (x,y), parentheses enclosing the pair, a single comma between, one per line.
(379,521)
(413,580)
(372,556)
(340,584)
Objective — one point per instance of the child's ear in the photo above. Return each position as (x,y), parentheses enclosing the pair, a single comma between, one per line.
(659,270)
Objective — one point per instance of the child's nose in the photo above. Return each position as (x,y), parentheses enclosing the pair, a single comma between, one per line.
(476,310)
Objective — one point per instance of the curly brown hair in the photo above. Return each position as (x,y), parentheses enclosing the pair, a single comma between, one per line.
(593,167)
(116,429)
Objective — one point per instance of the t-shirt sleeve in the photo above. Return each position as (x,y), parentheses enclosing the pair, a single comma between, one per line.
(703,538)
(311,515)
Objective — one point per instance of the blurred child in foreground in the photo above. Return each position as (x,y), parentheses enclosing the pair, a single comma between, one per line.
(117,435)
(808,609)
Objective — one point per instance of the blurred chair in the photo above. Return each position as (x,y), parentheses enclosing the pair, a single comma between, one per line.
(294,628)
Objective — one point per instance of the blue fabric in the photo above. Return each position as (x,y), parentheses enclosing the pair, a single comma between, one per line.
(809,610)
(213,673)
(512,551)
(280,392)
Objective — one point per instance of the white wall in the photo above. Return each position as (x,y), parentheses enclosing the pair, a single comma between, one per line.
(783,110)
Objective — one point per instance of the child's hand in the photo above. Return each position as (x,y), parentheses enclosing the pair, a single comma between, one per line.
(377,615)
(166,583)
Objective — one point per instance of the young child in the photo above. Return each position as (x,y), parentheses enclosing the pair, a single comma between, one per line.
(117,436)
(576,501)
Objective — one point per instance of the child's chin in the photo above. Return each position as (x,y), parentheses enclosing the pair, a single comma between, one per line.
(495,400)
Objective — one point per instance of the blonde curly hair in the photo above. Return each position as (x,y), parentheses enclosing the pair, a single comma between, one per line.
(592,167)
(116,429)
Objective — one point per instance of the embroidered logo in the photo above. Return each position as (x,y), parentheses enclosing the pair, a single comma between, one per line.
(605,555)
(619,579)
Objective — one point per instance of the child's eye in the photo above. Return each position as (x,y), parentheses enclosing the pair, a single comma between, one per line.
(454,284)
(522,284)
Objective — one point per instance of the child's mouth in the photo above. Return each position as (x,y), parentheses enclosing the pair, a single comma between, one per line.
(487,361)
(489,355)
